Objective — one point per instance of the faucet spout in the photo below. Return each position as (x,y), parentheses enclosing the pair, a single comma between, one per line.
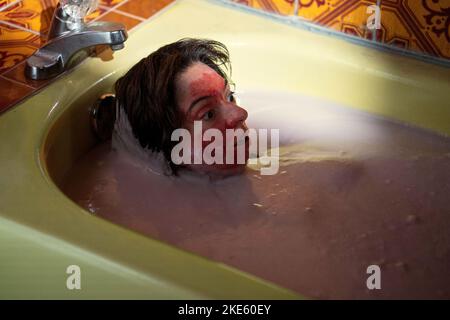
(54,57)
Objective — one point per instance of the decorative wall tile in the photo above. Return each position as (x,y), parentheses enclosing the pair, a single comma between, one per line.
(11,92)
(418,25)
(143,8)
(24,25)
(284,7)
(34,15)
(129,22)
(15,46)
(421,25)
(17,74)
(110,3)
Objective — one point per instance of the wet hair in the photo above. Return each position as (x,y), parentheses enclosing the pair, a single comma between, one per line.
(147,92)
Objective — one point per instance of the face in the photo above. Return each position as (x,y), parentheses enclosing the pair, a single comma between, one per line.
(203,96)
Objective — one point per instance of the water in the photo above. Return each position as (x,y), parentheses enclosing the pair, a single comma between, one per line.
(352,190)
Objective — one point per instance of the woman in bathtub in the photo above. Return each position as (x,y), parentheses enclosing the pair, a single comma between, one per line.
(177,93)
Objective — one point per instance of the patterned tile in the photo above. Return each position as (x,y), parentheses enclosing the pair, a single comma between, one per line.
(421,25)
(17,73)
(349,17)
(284,7)
(7,3)
(11,92)
(12,55)
(24,25)
(117,17)
(110,3)
(34,15)
(103,7)
(143,8)
(96,14)
(418,25)
(16,45)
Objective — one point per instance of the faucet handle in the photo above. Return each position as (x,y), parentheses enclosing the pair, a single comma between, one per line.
(78,9)
(69,16)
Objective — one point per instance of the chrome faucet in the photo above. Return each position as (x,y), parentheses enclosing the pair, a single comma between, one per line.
(69,36)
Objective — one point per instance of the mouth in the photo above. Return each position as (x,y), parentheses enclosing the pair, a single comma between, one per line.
(241,141)
(244,138)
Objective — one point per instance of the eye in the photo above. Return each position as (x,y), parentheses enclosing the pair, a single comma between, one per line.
(231,97)
(208,115)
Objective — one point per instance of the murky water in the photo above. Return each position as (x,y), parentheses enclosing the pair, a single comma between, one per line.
(352,190)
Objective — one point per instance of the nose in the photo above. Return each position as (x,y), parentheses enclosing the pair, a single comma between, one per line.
(235,116)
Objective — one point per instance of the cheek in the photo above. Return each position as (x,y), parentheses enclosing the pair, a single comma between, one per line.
(219,125)
(206,143)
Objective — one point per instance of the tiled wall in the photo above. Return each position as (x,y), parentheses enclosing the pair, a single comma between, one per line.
(418,25)
(23,28)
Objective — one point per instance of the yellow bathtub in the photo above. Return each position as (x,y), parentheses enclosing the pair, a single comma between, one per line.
(42,232)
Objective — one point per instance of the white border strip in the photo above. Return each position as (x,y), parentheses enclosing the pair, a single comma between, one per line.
(9,5)
(19,83)
(108,9)
(158,13)
(130,15)
(20,27)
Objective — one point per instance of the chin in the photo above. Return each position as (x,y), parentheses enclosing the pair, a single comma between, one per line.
(229,170)
(219,170)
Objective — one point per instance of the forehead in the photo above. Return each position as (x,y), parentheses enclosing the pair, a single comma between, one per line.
(199,80)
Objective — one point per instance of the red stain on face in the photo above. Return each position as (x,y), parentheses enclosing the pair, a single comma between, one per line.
(209,84)
(213,85)
(204,96)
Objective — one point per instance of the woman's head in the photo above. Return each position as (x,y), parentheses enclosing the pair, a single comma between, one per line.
(178,84)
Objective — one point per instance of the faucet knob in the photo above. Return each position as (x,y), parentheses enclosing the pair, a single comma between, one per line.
(69,16)
(78,9)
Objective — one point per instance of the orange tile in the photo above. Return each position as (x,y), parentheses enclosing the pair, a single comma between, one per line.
(13,55)
(11,35)
(36,15)
(97,13)
(11,93)
(15,46)
(109,3)
(33,15)
(143,8)
(284,7)
(7,3)
(18,74)
(425,26)
(117,17)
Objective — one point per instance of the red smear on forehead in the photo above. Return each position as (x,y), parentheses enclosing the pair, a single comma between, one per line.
(209,84)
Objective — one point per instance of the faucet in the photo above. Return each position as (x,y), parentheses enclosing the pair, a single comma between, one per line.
(69,36)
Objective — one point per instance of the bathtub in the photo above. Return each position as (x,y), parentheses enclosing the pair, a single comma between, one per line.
(42,232)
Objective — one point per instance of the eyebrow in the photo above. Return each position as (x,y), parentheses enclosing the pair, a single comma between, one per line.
(204,97)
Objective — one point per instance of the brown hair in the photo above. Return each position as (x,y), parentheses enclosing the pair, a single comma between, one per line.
(147,91)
